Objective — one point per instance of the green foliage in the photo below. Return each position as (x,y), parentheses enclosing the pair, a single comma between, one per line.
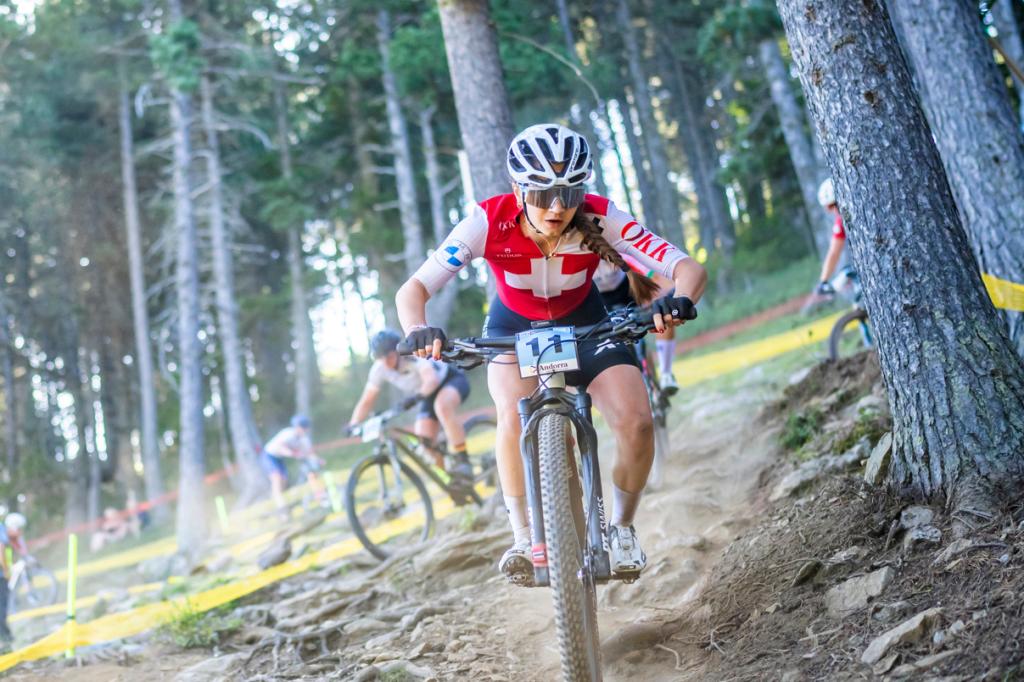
(175,54)
(397,675)
(801,428)
(190,628)
(869,423)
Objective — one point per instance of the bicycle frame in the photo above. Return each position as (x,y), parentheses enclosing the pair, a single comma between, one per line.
(392,442)
(555,399)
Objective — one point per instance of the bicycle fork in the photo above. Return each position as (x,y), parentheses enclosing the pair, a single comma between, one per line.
(596,562)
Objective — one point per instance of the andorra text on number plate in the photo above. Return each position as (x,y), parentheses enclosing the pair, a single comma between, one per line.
(371,429)
(546,351)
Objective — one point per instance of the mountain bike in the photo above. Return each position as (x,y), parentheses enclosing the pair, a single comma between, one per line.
(841,340)
(563,485)
(386,500)
(31,585)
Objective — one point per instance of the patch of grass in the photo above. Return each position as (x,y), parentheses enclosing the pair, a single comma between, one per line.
(190,628)
(800,428)
(467,519)
(868,423)
(397,675)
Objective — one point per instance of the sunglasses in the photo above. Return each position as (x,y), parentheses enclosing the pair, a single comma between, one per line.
(571,197)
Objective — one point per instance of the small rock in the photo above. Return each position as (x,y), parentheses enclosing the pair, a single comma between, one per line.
(957,627)
(846,556)
(920,536)
(911,630)
(395,668)
(806,572)
(367,674)
(791,676)
(860,451)
(364,626)
(938,639)
(806,473)
(978,615)
(210,670)
(277,553)
(382,640)
(799,376)
(855,593)
(919,666)
(891,612)
(953,549)
(869,403)
(878,463)
(884,665)
(1004,559)
(698,543)
(915,516)
(634,657)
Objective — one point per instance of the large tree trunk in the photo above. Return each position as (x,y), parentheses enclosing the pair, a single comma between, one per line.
(801,152)
(305,373)
(1010,39)
(152,475)
(439,307)
(666,199)
(408,206)
(976,130)
(239,407)
(191,516)
(481,100)
(638,157)
(10,400)
(955,385)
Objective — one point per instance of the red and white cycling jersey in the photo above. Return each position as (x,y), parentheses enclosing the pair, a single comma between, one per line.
(531,285)
(838,231)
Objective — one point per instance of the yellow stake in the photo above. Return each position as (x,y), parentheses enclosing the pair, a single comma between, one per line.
(69,651)
(332,492)
(222,514)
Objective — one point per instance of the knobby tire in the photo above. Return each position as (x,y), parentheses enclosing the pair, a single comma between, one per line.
(368,466)
(835,338)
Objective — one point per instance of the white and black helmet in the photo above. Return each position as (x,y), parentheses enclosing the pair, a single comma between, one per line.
(826,193)
(15,521)
(536,151)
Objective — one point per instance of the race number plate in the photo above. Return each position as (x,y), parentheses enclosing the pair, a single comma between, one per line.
(546,351)
(371,429)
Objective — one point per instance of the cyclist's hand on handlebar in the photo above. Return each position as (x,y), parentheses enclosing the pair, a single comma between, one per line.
(672,311)
(424,342)
(409,402)
(825,289)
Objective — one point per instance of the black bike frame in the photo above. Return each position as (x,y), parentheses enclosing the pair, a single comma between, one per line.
(391,441)
(577,408)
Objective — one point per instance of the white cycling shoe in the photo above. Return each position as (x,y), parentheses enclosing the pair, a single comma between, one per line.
(627,558)
(668,384)
(517,565)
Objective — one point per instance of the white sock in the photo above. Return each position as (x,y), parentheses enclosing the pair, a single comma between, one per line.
(624,506)
(666,351)
(517,518)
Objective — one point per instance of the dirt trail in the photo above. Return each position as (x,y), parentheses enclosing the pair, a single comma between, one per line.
(441,611)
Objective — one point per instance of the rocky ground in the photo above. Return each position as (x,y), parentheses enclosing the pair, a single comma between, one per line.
(771,557)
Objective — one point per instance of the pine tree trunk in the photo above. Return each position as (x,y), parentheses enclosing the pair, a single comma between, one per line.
(481,100)
(1009,37)
(77,506)
(239,407)
(305,374)
(10,399)
(638,157)
(976,130)
(666,199)
(955,385)
(801,153)
(408,205)
(440,306)
(152,474)
(191,516)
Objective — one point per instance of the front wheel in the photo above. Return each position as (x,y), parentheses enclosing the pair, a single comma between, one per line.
(849,333)
(37,587)
(573,591)
(385,504)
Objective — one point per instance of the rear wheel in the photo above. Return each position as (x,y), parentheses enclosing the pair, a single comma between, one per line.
(573,592)
(850,334)
(37,587)
(386,505)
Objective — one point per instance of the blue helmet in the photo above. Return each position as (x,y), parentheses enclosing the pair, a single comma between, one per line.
(301,421)
(384,342)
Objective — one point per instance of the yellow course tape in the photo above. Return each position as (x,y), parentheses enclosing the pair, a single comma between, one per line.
(128,623)
(1004,294)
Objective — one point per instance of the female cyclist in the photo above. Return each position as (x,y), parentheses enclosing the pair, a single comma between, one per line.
(543,243)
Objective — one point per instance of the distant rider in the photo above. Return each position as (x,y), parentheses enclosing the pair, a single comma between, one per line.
(291,442)
(11,535)
(827,198)
(436,390)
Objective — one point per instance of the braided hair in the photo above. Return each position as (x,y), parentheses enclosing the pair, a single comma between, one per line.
(643,288)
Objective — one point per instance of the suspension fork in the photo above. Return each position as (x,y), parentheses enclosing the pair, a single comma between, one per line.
(531,472)
(596,561)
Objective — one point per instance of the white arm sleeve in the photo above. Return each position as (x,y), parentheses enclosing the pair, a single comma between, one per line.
(630,238)
(465,242)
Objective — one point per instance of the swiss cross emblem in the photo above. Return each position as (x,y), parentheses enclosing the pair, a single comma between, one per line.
(546,278)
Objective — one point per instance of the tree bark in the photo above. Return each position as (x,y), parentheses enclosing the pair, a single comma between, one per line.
(239,407)
(666,199)
(440,306)
(10,399)
(405,179)
(1009,37)
(638,156)
(191,516)
(955,385)
(305,374)
(151,472)
(976,130)
(481,101)
(801,152)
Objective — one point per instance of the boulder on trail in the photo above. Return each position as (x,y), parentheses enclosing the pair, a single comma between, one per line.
(911,630)
(878,463)
(855,593)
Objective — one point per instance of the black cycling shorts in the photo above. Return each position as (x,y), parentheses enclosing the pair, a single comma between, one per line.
(594,356)
(456,378)
(619,297)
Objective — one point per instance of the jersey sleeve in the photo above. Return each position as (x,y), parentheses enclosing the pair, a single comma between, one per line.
(465,242)
(375,379)
(838,230)
(637,243)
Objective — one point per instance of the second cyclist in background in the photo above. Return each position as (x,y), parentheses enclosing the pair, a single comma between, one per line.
(291,442)
(613,284)
(437,389)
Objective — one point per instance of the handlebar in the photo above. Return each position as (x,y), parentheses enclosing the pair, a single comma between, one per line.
(628,324)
